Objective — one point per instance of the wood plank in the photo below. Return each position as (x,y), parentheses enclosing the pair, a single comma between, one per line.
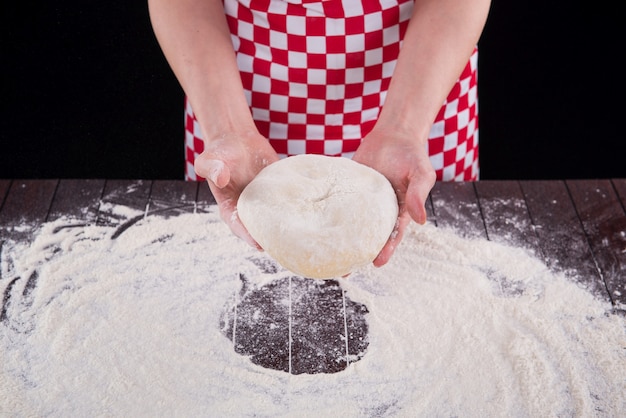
(261,328)
(563,241)
(604,221)
(620,244)
(297,325)
(4,190)
(171,197)
(77,199)
(506,214)
(455,205)
(25,207)
(318,342)
(620,189)
(204,198)
(123,200)
(24,210)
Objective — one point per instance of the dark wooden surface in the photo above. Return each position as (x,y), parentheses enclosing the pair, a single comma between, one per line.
(576,226)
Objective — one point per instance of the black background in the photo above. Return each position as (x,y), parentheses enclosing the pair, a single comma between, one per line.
(87,93)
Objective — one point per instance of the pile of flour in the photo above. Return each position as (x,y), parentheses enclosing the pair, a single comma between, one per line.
(94,326)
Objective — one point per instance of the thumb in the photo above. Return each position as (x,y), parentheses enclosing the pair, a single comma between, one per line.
(416,196)
(214,170)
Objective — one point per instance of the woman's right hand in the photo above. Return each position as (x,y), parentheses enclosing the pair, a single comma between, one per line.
(195,37)
(229,163)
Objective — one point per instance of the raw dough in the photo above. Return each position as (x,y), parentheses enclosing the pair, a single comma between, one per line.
(319,216)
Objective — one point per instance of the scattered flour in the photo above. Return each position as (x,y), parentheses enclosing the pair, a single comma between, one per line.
(94,326)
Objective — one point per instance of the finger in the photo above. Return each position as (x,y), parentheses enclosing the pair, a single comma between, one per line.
(415,200)
(214,170)
(394,240)
(238,229)
(228,213)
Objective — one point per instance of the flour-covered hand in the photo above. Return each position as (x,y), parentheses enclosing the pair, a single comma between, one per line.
(229,163)
(405,163)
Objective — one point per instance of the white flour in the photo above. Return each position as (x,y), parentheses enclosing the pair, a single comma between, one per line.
(130,327)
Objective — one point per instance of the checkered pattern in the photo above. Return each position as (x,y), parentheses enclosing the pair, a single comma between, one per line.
(453,140)
(316,73)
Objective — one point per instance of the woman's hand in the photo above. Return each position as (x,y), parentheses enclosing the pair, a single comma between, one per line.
(404,161)
(229,163)
(438,42)
(196,40)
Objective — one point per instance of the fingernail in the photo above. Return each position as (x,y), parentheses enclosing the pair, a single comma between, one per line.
(215,169)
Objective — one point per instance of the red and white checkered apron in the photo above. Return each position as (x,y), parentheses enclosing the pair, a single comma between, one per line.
(316,73)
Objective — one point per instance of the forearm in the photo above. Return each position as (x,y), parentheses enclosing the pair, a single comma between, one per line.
(195,39)
(440,38)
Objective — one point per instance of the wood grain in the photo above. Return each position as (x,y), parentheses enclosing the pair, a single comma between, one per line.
(77,199)
(455,205)
(562,239)
(25,207)
(505,213)
(603,219)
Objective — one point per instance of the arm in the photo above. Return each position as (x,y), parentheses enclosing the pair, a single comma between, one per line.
(195,39)
(439,40)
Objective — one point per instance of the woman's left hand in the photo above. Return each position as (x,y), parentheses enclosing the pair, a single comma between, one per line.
(404,161)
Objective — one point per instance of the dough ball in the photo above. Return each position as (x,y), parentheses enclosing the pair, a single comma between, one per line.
(319,216)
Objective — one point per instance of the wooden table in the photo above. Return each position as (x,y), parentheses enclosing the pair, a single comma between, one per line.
(573,225)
